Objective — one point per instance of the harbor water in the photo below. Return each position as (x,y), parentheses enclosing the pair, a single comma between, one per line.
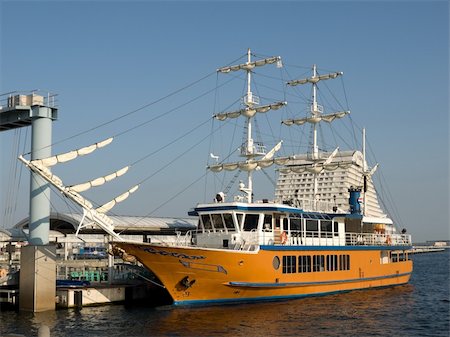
(420,308)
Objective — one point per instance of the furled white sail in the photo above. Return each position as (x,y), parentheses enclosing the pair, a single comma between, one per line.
(99,181)
(96,216)
(316,168)
(316,118)
(250,65)
(44,171)
(64,157)
(250,165)
(249,112)
(315,79)
(109,205)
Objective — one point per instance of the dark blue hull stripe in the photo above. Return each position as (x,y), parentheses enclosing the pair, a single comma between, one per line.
(331,248)
(273,298)
(303,284)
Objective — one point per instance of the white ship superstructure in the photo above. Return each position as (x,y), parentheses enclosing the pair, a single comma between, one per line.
(296,184)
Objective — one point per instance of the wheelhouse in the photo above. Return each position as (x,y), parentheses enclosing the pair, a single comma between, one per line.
(242,226)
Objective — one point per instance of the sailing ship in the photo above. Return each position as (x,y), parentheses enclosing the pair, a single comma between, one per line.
(248,250)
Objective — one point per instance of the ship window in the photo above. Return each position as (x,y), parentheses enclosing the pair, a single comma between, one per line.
(344,262)
(289,264)
(304,264)
(325,228)
(217,221)
(384,257)
(239,219)
(228,218)
(394,256)
(267,226)
(311,228)
(336,229)
(251,222)
(285,224)
(318,263)
(207,225)
(332,262)
(276,262)
(295,225)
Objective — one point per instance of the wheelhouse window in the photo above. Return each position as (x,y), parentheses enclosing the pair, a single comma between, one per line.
(251,222)
(228,219)
(207,224)
(239,217)
(217,221)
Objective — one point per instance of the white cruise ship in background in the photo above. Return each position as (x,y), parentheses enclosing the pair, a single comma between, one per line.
(295,184)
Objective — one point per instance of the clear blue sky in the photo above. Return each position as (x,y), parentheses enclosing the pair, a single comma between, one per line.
(106,58)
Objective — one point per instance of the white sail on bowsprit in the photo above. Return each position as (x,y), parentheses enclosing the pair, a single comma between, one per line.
(96,215)
(65,157)
(99,181)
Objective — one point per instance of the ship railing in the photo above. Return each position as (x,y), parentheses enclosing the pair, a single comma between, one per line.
(28,98)
(249,241)
(311,205)
(183,239)
(316,238)
(371,239)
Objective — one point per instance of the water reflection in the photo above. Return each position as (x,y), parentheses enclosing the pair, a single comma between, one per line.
(356,313)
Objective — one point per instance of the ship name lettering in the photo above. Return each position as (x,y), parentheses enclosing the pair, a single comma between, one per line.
(173,254)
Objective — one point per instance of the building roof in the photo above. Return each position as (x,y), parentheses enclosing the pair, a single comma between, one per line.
(68,223)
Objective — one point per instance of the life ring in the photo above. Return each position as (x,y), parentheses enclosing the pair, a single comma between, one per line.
(283,238)
(388,240)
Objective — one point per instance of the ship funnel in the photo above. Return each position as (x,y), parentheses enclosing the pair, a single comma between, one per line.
(355,193)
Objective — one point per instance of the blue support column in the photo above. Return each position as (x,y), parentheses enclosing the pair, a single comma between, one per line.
(38,259)
(41,140)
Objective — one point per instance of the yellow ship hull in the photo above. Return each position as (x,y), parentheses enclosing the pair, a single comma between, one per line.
(201,275)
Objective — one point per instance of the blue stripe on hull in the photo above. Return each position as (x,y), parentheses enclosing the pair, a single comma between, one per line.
(300,284)
(332,248)
(274,298)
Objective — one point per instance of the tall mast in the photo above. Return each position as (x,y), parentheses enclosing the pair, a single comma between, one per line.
(315,148)
(315,113)
(251,106)
(316,117)
(367,174)
(248,101)
(364,169)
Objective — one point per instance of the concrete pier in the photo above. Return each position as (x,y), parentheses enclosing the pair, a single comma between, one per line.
(37,278)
